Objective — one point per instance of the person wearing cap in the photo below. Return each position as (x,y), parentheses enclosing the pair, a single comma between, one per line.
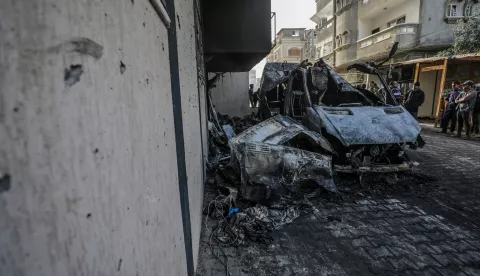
(466,103)
(451,111)
(414,99)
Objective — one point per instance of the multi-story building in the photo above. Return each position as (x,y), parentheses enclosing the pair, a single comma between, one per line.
(308,51)
(362,30)
(288,45)
(325,30)
(346,31)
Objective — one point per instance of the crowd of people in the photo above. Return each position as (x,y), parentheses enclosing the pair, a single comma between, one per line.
(463,108)
(412,100)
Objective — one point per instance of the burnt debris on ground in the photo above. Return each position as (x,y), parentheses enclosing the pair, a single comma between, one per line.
(266,169)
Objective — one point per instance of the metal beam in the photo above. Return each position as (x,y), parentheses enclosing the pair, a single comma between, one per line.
(442,85)
(417,71)
(432,68)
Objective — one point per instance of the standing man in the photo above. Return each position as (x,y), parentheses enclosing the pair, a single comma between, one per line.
(451,110)
(476,112)
(414,100)
(250,96)
(397,93)
(255,98)
(466,103)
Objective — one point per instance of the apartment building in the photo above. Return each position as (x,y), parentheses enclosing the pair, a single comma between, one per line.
(362,30)
(325,30)
(288,47)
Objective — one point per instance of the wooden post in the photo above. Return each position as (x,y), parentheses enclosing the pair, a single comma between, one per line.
(442,85)
(417,71)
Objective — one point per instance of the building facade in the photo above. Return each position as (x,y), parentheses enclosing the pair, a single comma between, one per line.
(325,30)
(289,44)
(309,48)
(363,30)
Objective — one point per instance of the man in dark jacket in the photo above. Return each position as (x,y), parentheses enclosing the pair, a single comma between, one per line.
(466,103)
(476,113)
(414,99)
(250,96)
(451,111)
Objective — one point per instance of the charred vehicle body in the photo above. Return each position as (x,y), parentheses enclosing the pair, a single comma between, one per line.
(272,88)
(367,134)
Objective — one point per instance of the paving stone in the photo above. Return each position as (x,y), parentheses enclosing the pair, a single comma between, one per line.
(402,264)
(379,252)
(362,242)
(385,234)
(471,271)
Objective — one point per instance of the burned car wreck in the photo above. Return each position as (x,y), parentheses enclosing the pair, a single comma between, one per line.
(319,125)
(279,154)
(367,134)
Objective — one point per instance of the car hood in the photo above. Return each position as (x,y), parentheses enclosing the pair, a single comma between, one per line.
(276,131)
(369,124)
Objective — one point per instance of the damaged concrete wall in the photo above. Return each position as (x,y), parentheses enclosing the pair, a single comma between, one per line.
(87,146)
(230,97)
(191,110)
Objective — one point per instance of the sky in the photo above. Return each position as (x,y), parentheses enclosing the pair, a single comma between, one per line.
(291,14)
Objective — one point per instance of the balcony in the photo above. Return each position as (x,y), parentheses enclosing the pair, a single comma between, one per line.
(380,43)
(324,31)
(369,9)
(323,14)
(457,11)
(323,3)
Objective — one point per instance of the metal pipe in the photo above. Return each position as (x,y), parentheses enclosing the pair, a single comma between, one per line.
(162,12)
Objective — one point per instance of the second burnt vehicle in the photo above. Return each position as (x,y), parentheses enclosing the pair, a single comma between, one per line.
(369,135)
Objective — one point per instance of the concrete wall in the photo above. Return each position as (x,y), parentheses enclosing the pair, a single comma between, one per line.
(347,21)
(191,103)
(94,188)
(409,8)
(230,97)
(434,31)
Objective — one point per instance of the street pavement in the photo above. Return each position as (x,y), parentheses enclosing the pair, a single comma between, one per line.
(427,224)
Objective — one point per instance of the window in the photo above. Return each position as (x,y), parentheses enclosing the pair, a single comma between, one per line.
(295,33)
(294,52)
(319,52)
(328,48)
(452,10)
(338,40)
(343,3)
(375,31)
(397,21)
(468,11)
(346,37)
